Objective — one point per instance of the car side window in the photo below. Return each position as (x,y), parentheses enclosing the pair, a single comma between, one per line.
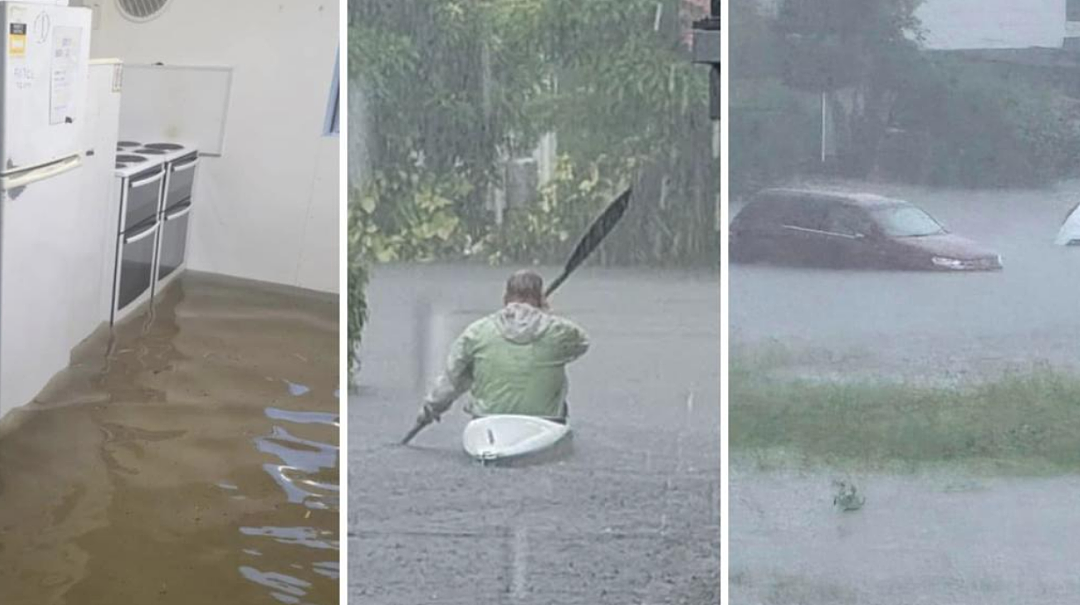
(805,214)
(847,221)
(758,212)
(766,213)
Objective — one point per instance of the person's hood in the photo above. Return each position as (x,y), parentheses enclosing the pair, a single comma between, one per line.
(522,323)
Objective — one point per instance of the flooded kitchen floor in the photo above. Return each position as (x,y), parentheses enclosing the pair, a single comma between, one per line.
(192,458)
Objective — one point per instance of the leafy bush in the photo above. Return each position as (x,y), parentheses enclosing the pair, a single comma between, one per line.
(412,215)
(357,282)
(544,231)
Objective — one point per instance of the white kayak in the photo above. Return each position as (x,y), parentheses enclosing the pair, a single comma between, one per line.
(510,437)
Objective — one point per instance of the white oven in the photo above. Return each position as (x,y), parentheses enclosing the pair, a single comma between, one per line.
(175,218)
(141,182)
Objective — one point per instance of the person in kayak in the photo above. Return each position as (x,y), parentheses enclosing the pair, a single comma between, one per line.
(512,361)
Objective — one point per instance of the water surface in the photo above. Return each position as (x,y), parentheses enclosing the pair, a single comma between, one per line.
(631,516)
(189,457)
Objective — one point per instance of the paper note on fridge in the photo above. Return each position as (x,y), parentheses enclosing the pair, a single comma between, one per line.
(67,43)
(17,40)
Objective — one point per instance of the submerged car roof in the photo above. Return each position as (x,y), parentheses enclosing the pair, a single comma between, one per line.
(862,200)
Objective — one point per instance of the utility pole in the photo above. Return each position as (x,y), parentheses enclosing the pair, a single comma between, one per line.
(707,50)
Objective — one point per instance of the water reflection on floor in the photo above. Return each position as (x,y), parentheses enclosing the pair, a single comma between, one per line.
(192,457)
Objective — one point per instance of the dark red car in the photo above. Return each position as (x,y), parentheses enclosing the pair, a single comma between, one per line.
(830,229)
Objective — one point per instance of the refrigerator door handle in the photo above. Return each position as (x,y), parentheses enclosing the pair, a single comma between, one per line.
(145,234)
(179,213)
(33,175)
(186,167)
(153,179)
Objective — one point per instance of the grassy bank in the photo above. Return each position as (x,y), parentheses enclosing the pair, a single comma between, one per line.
(1023,421)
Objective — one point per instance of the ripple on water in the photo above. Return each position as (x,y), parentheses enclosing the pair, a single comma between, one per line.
(164,457)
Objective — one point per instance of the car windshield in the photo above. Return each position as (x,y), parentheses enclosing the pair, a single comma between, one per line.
(906,221)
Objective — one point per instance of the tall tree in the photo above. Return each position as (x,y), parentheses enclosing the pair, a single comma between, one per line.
(866,46)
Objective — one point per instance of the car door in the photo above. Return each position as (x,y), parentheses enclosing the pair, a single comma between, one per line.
(803,240)
(757,233)
(850,237)
(753,233)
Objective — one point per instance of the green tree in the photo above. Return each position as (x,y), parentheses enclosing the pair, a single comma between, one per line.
(868,46)
(456,85)
(774,128)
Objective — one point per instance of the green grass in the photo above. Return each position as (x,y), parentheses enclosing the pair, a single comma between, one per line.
(1026,422)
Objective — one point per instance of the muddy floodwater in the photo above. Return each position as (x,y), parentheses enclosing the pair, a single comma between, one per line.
(190,458)
(631,515)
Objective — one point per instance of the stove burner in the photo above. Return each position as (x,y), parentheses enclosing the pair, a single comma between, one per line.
(148,151)
(128,144)
(165,146)
(130,158)
(120,165)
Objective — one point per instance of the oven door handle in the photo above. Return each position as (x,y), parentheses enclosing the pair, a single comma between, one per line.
(157,177)
(185,167)
(145,234)
(179,213)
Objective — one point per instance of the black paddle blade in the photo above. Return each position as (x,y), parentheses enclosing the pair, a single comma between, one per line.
(412,432)
(600,229)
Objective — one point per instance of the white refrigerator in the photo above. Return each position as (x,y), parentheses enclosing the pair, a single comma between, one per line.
(44,55)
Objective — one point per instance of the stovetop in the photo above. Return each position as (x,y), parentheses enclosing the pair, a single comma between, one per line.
(135,156)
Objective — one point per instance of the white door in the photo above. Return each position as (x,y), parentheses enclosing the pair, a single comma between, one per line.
(44,55)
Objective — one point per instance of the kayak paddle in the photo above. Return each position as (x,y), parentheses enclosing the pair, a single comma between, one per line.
(600,229)
(419,426)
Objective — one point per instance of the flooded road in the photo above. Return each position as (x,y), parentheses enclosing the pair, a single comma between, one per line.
(192,459)
(931,538)
(630,516)
(929,326)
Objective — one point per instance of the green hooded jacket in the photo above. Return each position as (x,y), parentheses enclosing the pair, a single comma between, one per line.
(511,362)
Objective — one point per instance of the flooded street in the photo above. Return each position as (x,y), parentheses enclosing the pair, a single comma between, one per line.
(192,459)
(945,535)
(929,326)
(631,515)
(932,538)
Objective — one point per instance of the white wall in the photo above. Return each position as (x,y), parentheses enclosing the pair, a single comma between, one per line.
(967,24)
(268,208)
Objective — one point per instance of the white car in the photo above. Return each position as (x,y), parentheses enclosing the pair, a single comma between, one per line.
(1070,229)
